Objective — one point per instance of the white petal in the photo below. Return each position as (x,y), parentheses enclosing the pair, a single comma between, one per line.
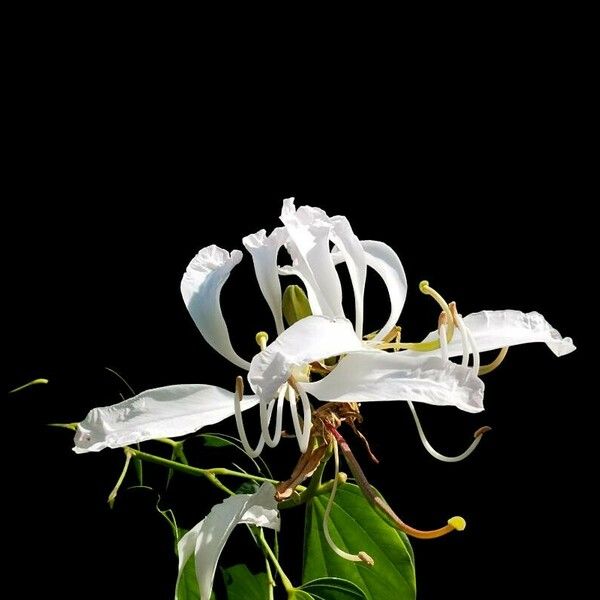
(210,535)
(495,329)
(374,376)
(162,412)
(307,340)
(383,260)
(352,251)
(309,232)
(201,290)
(264,255)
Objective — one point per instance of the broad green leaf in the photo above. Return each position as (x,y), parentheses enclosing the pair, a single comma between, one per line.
(242,584)
(354,525)
(333,588)
(300,595)
(188,589)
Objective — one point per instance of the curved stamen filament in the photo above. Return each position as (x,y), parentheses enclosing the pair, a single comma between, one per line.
(239,421)
(433,344)
(361,556)
(476,357)
(442,334)
(429,291)
(302,434)
(265,419)
(454,523)
(468,342)
(478,435)
(485,369)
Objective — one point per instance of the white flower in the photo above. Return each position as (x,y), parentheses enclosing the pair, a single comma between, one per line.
(364,372)
(207,539)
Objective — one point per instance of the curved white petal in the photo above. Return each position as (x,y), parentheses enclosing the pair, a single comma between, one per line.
(264,251)
(312,338)
(495,329)
(384,261)
(376,376)
(162,412)
(208,538)
(309,231)
(201,289)
(352,251)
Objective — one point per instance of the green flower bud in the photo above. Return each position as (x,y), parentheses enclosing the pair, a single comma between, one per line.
(295,304)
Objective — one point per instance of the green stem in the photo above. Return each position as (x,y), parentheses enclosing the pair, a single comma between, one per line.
(287,584)
(230,473)
(177,466)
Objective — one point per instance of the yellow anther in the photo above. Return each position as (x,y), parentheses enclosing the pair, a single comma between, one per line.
(457,523)
(342,477)
(366,558)
(481,431)
(262,337)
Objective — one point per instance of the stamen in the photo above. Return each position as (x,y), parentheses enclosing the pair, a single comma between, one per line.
(262,337)
(433,344)
(476,357)
(455,523)
(468,341)
(429,291)
(302,434)
(239,421)
(463,336)
(495,363)
(265,419)
(442,328)
(478,435)
(361,556)
(393,335)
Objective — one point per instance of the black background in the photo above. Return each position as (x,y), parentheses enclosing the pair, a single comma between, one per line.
(110,193)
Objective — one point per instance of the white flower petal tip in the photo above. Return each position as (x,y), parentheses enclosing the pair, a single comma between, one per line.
(382,376)
(162,412)
(208,538)
(493,329)
(201,290)
(496,329)
(310,339)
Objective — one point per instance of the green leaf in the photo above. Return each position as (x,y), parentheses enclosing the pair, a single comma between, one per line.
(333,588)
(300,595)
(248,487)
(295,304)
(354,525)
(187,588)
(242,584)
(214,441)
